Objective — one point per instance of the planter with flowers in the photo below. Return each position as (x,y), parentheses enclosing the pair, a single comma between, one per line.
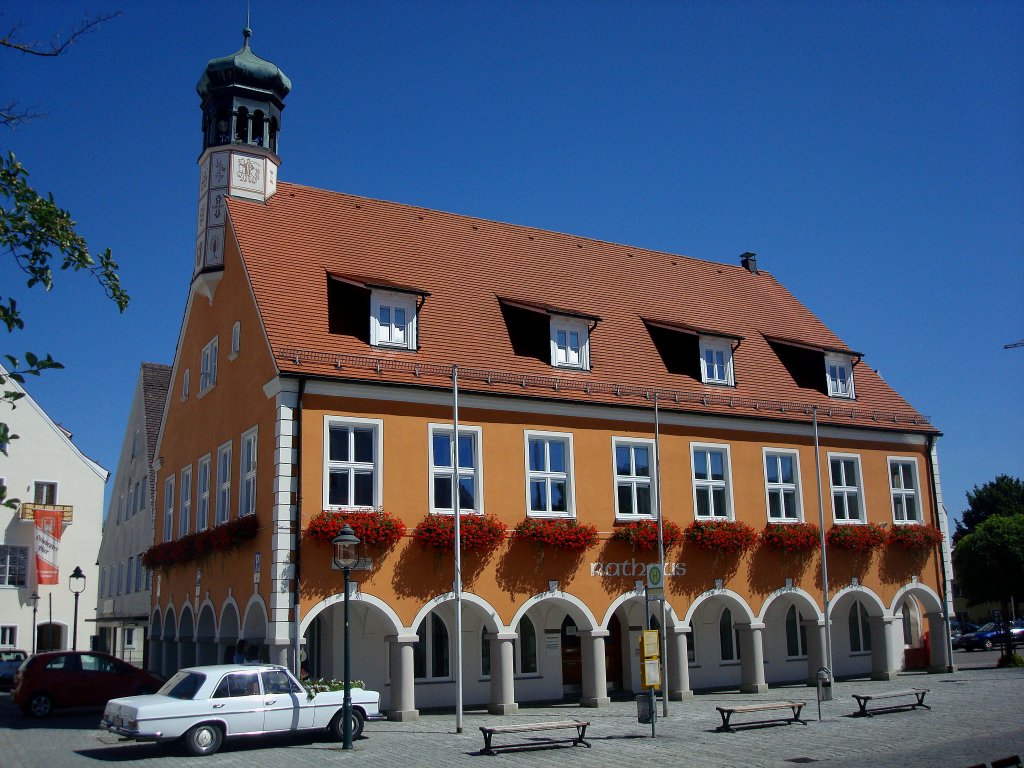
(478,533)
(565,534)
(914,537)
(856,537)
(792,538)
(375,528)
(723,536)
(223,538)
(643,534)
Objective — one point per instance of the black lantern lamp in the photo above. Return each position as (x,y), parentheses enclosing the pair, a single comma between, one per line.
(76,582)
(346,555)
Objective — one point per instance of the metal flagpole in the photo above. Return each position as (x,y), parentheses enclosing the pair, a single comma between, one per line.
(824,557)
(661,560)
(458,549)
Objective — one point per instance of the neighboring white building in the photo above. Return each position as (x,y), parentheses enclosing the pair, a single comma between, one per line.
(124,585)
(47,473)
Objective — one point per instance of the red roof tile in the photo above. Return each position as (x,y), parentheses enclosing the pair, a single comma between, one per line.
(291,244)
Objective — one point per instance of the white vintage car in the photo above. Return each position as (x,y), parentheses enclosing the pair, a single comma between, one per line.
(201,706)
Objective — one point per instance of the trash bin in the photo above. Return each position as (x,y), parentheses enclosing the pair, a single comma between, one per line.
(824,684)
(643,708)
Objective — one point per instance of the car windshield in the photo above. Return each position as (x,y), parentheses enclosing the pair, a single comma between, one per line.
(990,627)
(184,685)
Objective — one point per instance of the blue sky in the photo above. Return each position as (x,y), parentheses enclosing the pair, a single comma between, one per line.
(871,153)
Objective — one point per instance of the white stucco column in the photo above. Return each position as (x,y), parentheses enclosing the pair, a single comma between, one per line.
(403,680)
(937,643)
(679,664)
(815,649)
(883,648)
(595,675)
(752,658)
(503,693)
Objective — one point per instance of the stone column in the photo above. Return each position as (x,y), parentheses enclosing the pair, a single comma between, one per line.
(752,658)
(679,664)
(883,648)
(938,643)
(279,653)
(595,676)
(503,693)
(816,657)
(403,680)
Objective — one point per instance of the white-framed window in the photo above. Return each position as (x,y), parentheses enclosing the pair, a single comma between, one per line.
(120,508)
(860,628)
(716,361)
(393,320)
(236,340)
(208,367)
(712,495)
(120,577)
(906,506)
(9,635)
(728,637)
(782,485)
(112,587)
(550,484)
(138,572)
(203,494)
(847,491)
(128,580)
(570,343)
(185,518)
(431,655)
(224,483)
(352,473)
(839,372)
(796,634)
(149,579)
(442,470)
(129,638)
(184,384)
(13,565)
(634,471)
(102,589)
(247,474)
(168,508)
(45,492)
(129,507)
(135,444)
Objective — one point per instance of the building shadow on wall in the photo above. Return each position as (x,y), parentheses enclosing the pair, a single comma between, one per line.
(703,569)
(525,568)
(843,566)
(769,568)
(899,566)
(424,572)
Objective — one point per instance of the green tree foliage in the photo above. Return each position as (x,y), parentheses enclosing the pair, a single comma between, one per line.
(989,561)
(999,497)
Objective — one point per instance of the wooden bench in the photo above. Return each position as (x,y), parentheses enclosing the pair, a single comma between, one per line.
(579,725)
(864,698)
(766,706)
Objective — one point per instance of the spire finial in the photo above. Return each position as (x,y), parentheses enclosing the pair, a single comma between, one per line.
(247,32)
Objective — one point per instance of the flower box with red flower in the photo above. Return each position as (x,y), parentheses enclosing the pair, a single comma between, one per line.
(222,538)
(914,536)
(791,537)
(477,533)
(373,527)
(566,533)
(643,534)
(856,537)
(728,536)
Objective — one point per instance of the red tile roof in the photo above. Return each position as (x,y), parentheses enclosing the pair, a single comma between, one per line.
(293,242)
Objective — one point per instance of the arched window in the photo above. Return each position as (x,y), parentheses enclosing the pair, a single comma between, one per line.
(727,637)
(430,656)
(860,630)
(526,655)
(257,127)
(242,126)
(691,648)
(485,653)
(221,128)
(273,134)
(796,634)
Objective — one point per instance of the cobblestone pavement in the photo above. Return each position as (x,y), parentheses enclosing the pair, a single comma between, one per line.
(976,716)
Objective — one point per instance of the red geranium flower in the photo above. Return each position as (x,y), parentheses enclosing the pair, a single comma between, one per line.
(857,538)
(561,534)
(721,535)
(643,534)
(791,537)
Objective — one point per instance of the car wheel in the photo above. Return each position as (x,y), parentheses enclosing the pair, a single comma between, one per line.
(987,645)
(40,705)
(336,729)
(203,739)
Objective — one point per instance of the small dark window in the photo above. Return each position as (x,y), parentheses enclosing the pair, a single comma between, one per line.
(242,126)
(257,127)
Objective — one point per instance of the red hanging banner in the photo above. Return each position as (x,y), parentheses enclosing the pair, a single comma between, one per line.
(49,524)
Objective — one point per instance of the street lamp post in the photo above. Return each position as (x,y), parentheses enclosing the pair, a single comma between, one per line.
(76,583)
(346,555)
(34,599)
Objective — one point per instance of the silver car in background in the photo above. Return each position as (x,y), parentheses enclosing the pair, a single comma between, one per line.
(201,706)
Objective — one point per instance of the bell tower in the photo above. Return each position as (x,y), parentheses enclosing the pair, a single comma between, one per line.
(242,97)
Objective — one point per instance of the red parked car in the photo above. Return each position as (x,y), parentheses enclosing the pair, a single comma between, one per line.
(47,681)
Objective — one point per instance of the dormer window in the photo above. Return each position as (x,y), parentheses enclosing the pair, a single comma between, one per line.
(716,361)
(570,343)
(839,371)
(393,320)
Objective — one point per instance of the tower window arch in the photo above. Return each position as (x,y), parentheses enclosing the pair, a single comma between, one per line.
(258,127)
(242,126)
(273,134)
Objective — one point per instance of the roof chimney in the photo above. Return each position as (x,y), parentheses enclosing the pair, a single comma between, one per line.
(749,262)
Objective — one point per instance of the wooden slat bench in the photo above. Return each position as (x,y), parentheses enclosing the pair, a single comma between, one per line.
(579,725)
(863,699)
(766,706)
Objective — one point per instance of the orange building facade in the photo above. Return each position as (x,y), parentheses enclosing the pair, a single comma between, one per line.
(315,374)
